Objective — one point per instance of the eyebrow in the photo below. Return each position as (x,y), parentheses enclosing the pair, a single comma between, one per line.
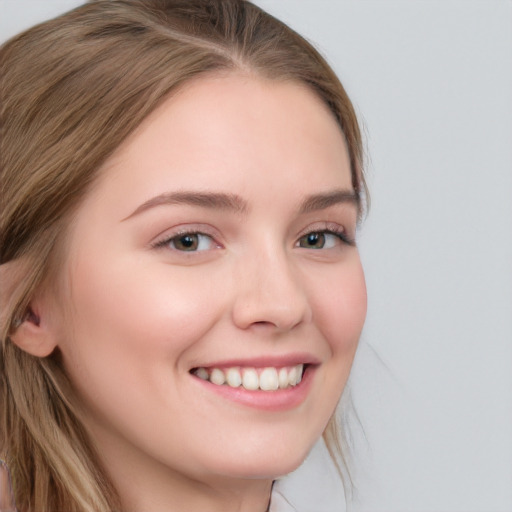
(211,200)
(322,201)
(234,203)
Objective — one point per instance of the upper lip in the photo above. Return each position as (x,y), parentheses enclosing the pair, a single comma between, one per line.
(264,361)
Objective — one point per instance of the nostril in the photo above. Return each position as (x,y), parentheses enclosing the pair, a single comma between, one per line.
(270,294)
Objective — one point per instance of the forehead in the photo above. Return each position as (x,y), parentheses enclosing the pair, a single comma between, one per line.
(234,132)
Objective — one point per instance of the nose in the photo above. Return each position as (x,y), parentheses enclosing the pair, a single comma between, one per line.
(270,292)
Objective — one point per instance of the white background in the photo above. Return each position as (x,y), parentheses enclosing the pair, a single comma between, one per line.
(432,384)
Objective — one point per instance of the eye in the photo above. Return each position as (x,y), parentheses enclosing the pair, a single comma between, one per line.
(188,242)
(325,239)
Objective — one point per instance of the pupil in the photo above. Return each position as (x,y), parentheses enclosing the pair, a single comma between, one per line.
(313,240)
(188,241)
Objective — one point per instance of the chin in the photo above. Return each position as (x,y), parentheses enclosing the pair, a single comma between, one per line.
(267,463)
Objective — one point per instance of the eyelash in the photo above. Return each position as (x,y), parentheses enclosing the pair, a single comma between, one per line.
(331,230)
(335,230)
(164,243)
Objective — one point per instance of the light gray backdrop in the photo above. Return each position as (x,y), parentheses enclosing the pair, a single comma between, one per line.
(432,383)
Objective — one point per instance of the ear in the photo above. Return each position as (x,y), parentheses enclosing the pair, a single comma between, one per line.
(34,332)
(34,335)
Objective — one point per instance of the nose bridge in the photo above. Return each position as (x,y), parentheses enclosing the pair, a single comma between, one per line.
(269,290)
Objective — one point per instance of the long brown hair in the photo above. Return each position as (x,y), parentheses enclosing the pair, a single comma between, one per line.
(72,89)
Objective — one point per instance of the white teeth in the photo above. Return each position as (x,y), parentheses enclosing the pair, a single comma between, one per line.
(292,376)
(202,373)
(252,379)
(295,375)
(269,380)
(300,369)
(217,377)
(233,377)
(283,378)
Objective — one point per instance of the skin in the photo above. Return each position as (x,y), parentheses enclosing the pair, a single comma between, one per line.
(134,318)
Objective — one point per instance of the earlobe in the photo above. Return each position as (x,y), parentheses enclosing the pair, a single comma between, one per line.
(32,332)
(34,336)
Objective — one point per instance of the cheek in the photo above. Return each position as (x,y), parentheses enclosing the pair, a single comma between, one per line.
(169,297)
(341,308)
(135,314)
(132,331)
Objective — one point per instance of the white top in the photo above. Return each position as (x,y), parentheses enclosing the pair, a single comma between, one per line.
(283,501)
(313,487)
(279,503)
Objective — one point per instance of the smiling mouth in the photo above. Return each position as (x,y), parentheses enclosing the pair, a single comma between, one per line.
(252,379)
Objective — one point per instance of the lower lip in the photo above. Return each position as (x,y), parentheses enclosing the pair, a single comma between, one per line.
(279,400)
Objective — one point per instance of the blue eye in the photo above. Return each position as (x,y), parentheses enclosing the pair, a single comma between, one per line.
(322,240)
(189,242)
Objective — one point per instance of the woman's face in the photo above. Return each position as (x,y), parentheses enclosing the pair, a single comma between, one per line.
(217,244)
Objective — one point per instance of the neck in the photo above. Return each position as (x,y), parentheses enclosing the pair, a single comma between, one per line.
(181,493)
(145,484)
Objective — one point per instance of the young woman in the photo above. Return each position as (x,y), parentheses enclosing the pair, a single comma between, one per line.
(182,294)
